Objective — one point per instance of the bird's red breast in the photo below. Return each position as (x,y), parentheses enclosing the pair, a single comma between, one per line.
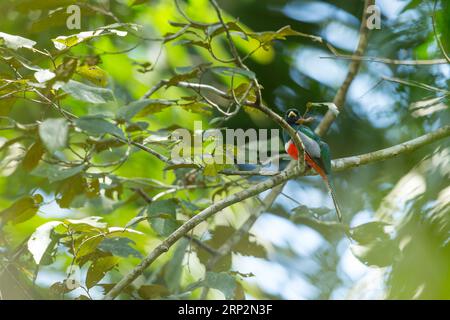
(292,151)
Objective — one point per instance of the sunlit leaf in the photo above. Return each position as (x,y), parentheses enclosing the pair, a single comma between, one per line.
(162,216)
(120,247)
(83,92)
(54,133)
(266,37)
(376,253)
(41,239)
(87,244)
(16,42)
(44,75)
(21,210)
(66,42)
(94,74)
(87,224)
(220,281)
(54,173)
(98,270)
(141,107)
(97,126)
(369,232)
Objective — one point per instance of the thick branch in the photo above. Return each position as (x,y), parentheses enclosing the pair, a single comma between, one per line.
(383,154)
(340,164)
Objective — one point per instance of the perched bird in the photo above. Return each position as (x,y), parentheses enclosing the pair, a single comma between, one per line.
(317,152)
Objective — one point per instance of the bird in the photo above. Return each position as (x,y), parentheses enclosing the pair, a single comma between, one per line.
(317,152)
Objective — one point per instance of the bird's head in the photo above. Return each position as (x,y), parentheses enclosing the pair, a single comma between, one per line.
(292,116)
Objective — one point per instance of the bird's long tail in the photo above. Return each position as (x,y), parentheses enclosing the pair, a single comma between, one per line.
(333,196)
(328,182)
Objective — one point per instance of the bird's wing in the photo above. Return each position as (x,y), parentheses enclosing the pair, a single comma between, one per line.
(312,147)
(325,156)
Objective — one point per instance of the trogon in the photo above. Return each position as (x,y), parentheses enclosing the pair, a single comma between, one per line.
(317,152)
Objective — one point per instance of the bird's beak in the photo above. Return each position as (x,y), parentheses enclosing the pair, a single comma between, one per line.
(303,120)
(291,114)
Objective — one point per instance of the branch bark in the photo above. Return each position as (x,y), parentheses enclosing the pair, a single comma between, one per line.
(339,164)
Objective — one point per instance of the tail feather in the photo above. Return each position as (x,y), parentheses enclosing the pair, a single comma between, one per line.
(326,177)
(335,202)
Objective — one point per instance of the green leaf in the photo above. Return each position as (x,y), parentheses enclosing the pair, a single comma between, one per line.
(98,269)
(6,105)
(141,107)
(55,173)
(266,37)
(129,111)
(44,75)
(60,288)
(66,42)
(221,281)
(120,247)
(22,210)
(187,73)
(108,286)
(162,216)
(164,226)
(70,189)
(94,74)
(229,71)
(211,169)
(374,246)
(153,291)
(33,156)
(197,107)
(54,133)
(377,253)
(121,232)
(174,267)
(16,42)
(183,77)
(369,232)
(96,126)
(246,246)
(87,244)
(217,29)
(88,224)
(83,92)
(40,240)
(198,43)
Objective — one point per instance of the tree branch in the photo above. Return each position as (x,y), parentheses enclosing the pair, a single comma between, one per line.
(339,99)
(339,164)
